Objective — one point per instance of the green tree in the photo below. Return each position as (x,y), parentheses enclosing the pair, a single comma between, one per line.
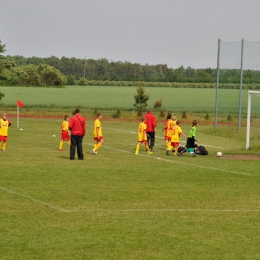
(2,50)
(140,100)
(51,76)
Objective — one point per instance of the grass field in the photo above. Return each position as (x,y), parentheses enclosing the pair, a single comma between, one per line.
(107,98)
(121,206)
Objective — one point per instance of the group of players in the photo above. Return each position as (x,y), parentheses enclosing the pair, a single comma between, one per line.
(172,132)
(146,134)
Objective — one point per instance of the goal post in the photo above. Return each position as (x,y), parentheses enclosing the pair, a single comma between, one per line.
(253,119)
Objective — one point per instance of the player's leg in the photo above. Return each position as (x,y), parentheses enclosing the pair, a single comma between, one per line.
(137,148)
(152,142)
(61,145)
(72,147)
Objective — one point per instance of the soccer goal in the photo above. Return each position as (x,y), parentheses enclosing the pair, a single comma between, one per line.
(253,119)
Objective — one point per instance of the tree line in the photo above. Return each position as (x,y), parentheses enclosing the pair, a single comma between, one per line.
(19,70)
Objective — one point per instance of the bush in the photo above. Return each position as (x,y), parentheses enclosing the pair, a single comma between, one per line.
(229,118)
(184,115)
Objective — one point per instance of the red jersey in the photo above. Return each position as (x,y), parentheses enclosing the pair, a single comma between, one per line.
(150,121)
(77,125)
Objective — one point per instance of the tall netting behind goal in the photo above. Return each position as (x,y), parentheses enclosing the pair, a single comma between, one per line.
(239,62)
(253,120)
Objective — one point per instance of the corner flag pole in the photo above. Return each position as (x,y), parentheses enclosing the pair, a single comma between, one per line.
(17,117)
(19,104)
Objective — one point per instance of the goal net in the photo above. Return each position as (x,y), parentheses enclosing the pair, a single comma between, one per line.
(253,120)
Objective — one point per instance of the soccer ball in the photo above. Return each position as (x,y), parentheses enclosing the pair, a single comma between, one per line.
(219,154)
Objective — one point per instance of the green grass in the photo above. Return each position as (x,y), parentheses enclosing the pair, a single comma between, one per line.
(178,100)
(121,206)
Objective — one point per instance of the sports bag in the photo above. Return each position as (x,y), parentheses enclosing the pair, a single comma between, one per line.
(201,150)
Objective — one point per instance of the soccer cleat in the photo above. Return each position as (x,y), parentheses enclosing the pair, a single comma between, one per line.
(60,149)
(149,153)
(136,153)
(194,155)
(179,154)
(167,152)
(94,151)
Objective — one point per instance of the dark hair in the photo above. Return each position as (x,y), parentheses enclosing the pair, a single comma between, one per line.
(169,116)
(194,122)
(65,117)
(98,114)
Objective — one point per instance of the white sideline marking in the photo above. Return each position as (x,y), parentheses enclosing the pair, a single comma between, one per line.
(122,210)
(33,199)
(179,162)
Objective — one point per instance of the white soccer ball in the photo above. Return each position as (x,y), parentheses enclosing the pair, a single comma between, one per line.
(53,135)
(21,129)
(219,154)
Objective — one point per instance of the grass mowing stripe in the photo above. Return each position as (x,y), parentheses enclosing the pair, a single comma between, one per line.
(123,210)
(33,199)
(182,163)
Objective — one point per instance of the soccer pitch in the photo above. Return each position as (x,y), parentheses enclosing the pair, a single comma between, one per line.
(121,206)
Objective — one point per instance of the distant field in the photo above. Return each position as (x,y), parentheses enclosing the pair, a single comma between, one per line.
(121,206)
(107,98)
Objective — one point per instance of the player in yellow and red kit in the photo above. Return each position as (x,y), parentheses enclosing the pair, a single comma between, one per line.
(142,137)
(65,134)
(97,132)
(4,125)
(175,139)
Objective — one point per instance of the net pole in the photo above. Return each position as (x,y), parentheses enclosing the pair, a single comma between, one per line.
(248,120)
(217,86)
(241,85)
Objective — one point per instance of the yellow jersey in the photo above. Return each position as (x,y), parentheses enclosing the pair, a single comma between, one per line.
(176,132)
(97,131)
(169,125)
(142,132)
(4,124)
(65,126)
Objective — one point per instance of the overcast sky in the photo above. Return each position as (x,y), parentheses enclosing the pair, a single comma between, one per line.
(176,33)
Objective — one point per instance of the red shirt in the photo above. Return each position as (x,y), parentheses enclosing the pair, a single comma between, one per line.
(77,125)
(150,122)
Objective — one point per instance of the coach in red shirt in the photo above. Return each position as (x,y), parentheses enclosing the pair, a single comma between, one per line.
(77,126)
(150,121)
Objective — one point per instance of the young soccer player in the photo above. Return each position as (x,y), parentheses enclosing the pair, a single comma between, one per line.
(4,125)
(142,137)
(191,146)
(175,140)
(168,131)
(97,132)
(65,134)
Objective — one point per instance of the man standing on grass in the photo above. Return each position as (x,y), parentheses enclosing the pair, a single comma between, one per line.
(150,121)
(77,126)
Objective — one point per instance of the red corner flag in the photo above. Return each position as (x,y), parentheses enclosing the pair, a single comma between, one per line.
(19,103)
